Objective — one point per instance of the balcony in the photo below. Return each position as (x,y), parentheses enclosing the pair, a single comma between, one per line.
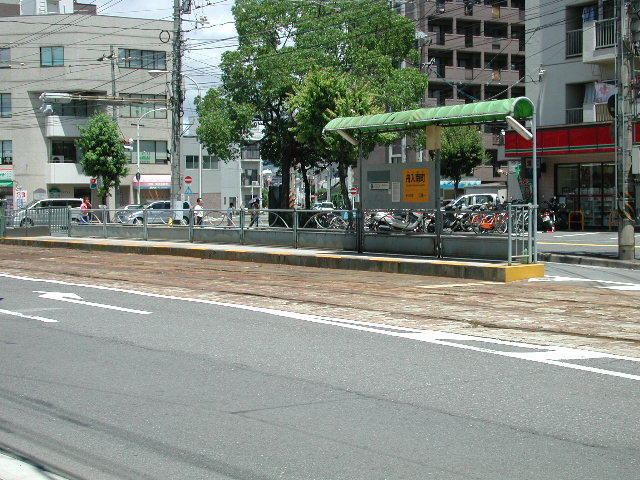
(481,75)
(599,41)
(480,12)
(574,43)
(480,43)
(66,173)
(56,126)
(596,112)
(574,115)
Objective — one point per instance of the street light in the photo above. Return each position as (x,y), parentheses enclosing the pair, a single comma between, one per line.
(161,109)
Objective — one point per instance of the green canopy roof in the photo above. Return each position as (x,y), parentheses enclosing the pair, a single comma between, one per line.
(520,108)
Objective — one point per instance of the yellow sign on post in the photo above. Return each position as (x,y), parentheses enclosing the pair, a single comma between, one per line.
(416,185)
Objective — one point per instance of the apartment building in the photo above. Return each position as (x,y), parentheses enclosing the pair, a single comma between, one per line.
(571,56)
(474,50)
(55,72)
(223,183)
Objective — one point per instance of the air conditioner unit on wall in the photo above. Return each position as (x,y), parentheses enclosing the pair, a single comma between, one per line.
(57,159)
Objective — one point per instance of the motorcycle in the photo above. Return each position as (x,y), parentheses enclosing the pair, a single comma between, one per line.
(396,222)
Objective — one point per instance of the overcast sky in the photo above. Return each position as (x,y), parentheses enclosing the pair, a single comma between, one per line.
(200,60)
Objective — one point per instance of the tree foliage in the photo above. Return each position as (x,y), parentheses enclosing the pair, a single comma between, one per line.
(462,151)
(223,124)
(284,44)
(103,155)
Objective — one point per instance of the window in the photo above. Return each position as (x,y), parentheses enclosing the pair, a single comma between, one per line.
(75,108)
(151,151)
(5,105)
(136,111)
(63,151)
(146,59)
(51,56)
(5,57)
(251,152)
(6,152)
(208,162)
(192,161)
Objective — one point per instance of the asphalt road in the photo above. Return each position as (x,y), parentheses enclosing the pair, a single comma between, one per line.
(596,244)
(162,388)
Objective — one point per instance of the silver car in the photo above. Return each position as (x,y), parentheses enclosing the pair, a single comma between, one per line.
(158,213)
(40,212)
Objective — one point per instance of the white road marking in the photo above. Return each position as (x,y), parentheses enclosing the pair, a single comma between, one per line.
(576,234)
(30,317)
(608,284)
(545,354)
(73,298)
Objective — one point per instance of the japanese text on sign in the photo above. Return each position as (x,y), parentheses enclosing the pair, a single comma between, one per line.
(416,185)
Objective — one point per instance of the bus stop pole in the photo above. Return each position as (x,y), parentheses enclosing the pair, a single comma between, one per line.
(360,210)
(436,169)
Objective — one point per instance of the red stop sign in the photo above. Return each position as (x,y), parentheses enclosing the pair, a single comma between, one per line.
(188,180)
(354,191)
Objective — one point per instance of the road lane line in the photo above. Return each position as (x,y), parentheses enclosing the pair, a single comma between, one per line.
(30,317)
(427,336)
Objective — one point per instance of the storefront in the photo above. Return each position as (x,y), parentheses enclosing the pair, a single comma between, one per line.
(152,187)
(6,184)
(576,165)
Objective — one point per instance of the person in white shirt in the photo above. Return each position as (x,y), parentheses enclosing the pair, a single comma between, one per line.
(198,212)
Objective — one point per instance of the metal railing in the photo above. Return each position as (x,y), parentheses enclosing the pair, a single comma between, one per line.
(574,115)
(574,43)
(602,113)
(475,232)
(520,226)
(605,33)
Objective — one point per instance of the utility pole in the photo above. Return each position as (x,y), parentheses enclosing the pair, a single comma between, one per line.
(176,106)
(625,105)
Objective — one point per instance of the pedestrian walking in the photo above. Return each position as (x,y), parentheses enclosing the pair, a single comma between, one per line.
(85,210)
(230,215)
(255,211)
(198,213)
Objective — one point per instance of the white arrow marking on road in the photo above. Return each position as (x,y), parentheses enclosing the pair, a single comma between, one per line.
(30,317)
(73,298)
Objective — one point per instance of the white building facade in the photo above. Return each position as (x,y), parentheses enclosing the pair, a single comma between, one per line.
(72,65)
(571,60)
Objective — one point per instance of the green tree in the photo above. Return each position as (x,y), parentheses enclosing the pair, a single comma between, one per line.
(282,41)
(223,124)
(103,155)
(462,151)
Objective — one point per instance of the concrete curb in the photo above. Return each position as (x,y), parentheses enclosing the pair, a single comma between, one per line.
(440,268)
(589,261)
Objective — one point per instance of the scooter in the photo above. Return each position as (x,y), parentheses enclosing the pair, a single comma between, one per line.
(390,222)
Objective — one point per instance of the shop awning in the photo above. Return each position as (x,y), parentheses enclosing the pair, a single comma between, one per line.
(153,182)
(6,176)
(449,185)
(520,108)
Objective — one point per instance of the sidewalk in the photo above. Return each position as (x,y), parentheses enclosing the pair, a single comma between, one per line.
(485,271)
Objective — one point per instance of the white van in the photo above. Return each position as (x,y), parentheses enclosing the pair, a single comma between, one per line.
(466,201)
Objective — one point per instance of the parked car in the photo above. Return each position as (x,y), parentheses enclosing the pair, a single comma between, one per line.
(122,213)
(465,202)
(323,206)
(158,213)
(38,212)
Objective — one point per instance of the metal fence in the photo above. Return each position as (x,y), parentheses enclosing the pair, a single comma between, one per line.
(498,233)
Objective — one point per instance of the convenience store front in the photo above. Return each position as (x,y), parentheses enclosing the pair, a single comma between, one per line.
(576,166)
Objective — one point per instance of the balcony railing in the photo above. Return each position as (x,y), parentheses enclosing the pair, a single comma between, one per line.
(574,115)
(606,33)
(602,113)
(574,43)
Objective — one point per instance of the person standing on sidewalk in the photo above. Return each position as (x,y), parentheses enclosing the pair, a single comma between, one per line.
(230,215)
(198,213)
(255,212)
(85,210)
